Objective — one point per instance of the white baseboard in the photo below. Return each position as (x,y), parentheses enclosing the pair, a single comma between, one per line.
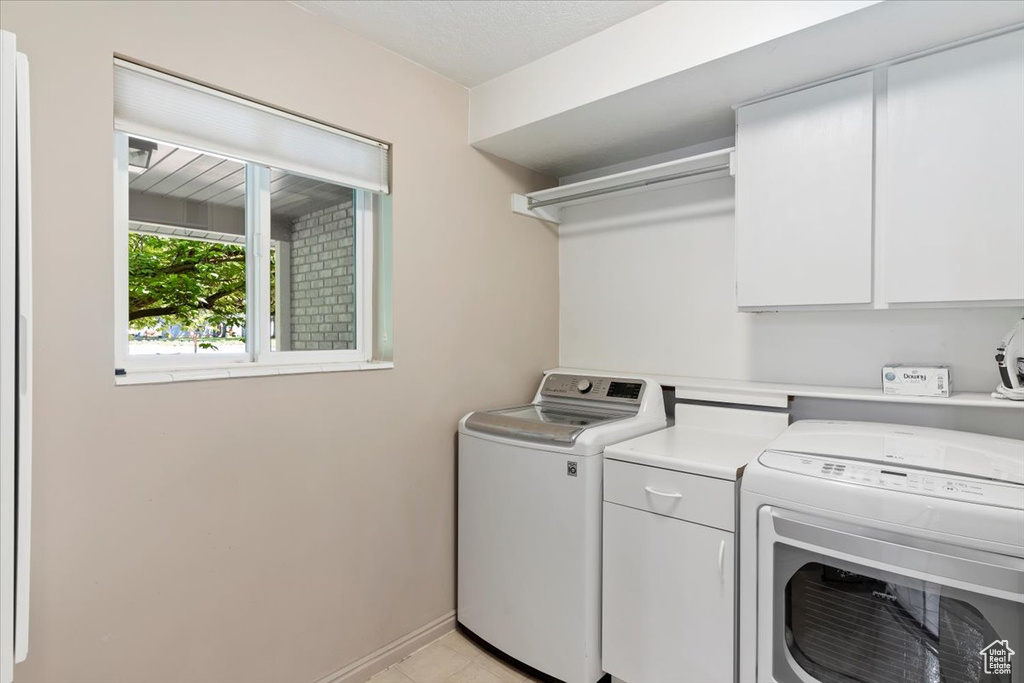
(365,668)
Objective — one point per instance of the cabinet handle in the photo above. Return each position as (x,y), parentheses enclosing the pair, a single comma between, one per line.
(662,493)
(721,561)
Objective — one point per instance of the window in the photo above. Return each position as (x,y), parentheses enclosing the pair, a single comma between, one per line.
(248,240)
(186,252)
(316,269)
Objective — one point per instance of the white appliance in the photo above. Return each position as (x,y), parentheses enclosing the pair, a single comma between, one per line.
(15,358)
(669,554)
(529,557)
(874,552)
(1010,360)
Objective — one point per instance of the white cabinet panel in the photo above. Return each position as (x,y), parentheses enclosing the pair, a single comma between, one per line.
(804,197)
(700,499)
(668,599)
(953,212)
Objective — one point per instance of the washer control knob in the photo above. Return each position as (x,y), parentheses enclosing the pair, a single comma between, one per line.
(584,386)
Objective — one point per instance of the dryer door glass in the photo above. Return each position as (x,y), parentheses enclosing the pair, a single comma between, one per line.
(845,622)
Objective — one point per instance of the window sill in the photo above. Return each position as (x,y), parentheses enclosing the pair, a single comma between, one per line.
(242,370)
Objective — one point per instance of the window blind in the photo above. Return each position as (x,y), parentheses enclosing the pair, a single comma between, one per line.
(154,105)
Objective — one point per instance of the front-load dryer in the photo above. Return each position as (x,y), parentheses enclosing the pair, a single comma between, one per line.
(878,553)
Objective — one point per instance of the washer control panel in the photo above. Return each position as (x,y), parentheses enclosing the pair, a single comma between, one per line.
(591,388)
(877,475)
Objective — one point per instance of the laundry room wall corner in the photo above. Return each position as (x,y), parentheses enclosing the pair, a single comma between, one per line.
(273,528)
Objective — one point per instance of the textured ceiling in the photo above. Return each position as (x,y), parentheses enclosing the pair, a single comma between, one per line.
(471,41)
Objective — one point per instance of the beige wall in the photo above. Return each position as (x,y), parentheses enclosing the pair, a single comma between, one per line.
(191,532)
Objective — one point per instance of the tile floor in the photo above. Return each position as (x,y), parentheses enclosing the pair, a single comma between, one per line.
(452,658)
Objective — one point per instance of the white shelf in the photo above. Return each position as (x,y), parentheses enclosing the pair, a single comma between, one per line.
(778,395)
(697,168)
(688,385)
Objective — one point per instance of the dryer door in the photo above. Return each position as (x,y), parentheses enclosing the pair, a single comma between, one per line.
(838,605)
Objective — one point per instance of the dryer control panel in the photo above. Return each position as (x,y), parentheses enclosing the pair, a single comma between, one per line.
(901,479)
(593,388)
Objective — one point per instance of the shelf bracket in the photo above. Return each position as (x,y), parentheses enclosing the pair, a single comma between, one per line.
(521,205)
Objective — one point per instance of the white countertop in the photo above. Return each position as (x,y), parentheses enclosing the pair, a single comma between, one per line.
(692,450)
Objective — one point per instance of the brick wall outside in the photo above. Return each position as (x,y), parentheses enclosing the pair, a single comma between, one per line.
(323,308)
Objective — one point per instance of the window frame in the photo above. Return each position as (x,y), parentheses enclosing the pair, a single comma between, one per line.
(258,357)
(362,224)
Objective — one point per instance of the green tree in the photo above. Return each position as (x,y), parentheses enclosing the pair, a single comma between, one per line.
(191,283)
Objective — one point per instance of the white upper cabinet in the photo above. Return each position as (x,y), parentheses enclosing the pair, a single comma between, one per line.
(952,213)
(804,197)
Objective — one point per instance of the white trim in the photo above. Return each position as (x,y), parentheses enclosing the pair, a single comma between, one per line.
(182,361)
(366,667)
(324,357)
(257,268)
(121,180)
(23,514)
(157,376)
(8,255)
(362,214)
(381,342)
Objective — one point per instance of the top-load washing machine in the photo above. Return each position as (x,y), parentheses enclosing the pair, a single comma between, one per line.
(877,553)
(529,530)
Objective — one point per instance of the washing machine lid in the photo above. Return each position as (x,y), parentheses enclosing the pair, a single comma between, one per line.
(935,450)
(542,423)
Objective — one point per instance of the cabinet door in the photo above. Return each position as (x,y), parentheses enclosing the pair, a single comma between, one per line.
(803,197)
(668,599)
(953,210)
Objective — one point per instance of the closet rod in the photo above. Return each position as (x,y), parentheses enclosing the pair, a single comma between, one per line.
(537,204)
